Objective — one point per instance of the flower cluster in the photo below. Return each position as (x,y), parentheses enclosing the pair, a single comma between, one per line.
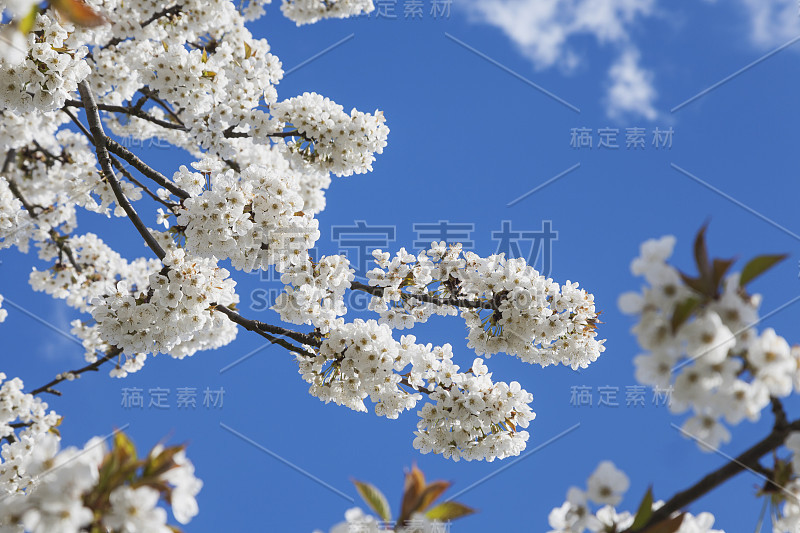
(27,448)
(173,314)
(95,267)
(356,361)
(84,277)
(507,305)
(314,291)
(340,143)
(51,71)
(469,416)
(46,488)
(606,487)
(3,312)
(53,499)
(310,11)
(254,218)
(474,418)
(15,224)
(52,177)
(701,341)
(31,412)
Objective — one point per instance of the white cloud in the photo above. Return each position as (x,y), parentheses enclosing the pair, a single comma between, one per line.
(631,90)
(772,22)
(542,30)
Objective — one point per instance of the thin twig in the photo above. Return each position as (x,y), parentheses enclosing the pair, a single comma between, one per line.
(96,127)
(427,298)
(252,325)
(130,158)
(144,168)
(230,134)
(9,158)
(139,184)
(153,95)
(48,387)
(174,10)
(58,238)
(132,111)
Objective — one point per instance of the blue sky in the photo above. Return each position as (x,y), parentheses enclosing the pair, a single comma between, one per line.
(470,133)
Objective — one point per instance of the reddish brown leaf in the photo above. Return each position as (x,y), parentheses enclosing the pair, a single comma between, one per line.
(78,12)
(431,494)
(412,490)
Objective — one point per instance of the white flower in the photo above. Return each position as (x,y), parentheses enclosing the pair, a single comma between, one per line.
(708,339)
(707,431)
(574,516)
(653,252)
(135,511)
(771,356)
(630,303)
(185,488)
(607,484)
(793,443)
(309,11)
(357,520)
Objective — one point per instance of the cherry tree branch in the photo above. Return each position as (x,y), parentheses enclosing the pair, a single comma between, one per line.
(96,127)
(64,376)
(138,183)
(132,111)
(131,159)
(153,95)
(427,298)
(747,460)
(230,134)
(166,12)
(261,329)
(144,168)
(100,142)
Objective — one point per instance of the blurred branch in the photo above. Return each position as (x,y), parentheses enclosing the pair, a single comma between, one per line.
(748,460)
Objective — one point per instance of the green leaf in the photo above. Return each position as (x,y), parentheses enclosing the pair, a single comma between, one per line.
(759,265)
(124,446)
(449,511)
(248,51)
(667,526)
(645,510)
(683,311)
(156,465)
(374,498)
(26,24)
